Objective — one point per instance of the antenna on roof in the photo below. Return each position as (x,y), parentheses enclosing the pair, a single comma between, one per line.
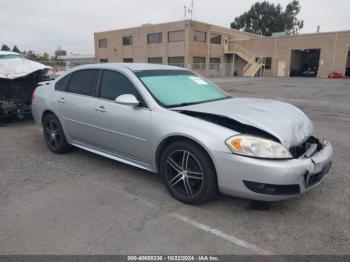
(189,13)
(190,10)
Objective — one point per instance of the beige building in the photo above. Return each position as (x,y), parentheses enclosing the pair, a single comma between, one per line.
(218,51)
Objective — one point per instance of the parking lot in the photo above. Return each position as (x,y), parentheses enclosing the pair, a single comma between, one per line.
(81,203)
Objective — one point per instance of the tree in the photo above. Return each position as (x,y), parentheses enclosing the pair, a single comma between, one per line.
(5,48)
(292,24)
(15,49)
(44,57)
(265,18)
(60,52)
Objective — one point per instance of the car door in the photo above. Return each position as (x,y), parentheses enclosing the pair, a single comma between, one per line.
(76,104)
(124,130)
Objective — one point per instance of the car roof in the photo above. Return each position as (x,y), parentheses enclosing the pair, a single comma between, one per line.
(131,66)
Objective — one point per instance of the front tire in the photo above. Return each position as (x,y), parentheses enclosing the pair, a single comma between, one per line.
(54,135)
(188,173)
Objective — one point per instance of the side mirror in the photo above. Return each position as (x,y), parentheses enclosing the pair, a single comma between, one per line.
(128,100)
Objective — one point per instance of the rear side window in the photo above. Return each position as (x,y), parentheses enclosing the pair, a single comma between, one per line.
(62,84)
(114,84)
(83,82)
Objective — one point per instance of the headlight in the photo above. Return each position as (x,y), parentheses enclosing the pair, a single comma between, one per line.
(257,147)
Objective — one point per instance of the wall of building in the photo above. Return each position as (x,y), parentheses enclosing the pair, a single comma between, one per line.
(140,50)
(333,56)
(333,47)
(210,50)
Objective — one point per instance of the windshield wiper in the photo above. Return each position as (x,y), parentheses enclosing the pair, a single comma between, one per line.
(200,102)
(184,104)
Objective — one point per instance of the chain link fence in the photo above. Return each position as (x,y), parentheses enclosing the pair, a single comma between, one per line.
(207,70)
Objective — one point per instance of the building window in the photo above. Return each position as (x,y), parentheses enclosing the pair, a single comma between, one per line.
(177,61)
(154,38)
(128,60)
(127,40)
(155,60)
(176,36)
(199,36)
(102,43)
(215,39)
(198,62)
(103,60)
(214,63)
(268,62)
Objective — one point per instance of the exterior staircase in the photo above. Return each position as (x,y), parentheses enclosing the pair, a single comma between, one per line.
(253,63)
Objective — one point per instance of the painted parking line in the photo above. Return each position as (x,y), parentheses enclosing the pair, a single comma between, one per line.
(223,235)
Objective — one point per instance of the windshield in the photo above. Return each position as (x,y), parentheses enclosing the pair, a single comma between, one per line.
(10,56)
(173,88)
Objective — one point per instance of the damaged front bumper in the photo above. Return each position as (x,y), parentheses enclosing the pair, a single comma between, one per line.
(10,109)
(271,180)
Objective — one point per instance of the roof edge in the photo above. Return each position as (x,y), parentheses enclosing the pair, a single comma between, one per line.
(301,35)
(177,21)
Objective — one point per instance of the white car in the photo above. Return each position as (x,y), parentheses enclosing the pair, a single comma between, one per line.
(170,120)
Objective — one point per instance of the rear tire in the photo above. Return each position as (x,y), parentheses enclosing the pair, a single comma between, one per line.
(54,135)
(188,173)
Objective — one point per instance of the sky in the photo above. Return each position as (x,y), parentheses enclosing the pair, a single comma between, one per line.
(43,25)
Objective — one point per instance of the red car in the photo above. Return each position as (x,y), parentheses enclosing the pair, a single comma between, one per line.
(337,75)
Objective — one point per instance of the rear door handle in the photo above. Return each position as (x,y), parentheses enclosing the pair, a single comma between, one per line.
(61,100)
(101,109)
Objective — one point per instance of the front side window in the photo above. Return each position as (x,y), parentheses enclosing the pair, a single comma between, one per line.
(127,40)
(199,36)
(83,82)
(154,38)
(114,84)
(173,88)
(102,43)
(215,39)
(176,36)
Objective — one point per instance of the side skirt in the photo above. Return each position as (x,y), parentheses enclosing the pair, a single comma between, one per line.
(117,157)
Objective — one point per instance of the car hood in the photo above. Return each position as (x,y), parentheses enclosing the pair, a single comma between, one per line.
(282,120)
(13,68)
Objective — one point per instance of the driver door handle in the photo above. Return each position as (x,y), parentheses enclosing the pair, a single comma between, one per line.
(101,109)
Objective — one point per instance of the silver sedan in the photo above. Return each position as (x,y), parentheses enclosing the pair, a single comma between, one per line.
(170,120)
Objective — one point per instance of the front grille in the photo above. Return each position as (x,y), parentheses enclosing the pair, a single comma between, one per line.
(301,149)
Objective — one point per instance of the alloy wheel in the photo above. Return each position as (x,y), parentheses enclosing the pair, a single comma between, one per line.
(184,174)
(52,133)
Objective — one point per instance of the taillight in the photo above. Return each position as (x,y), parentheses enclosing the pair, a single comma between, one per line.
(33,94)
